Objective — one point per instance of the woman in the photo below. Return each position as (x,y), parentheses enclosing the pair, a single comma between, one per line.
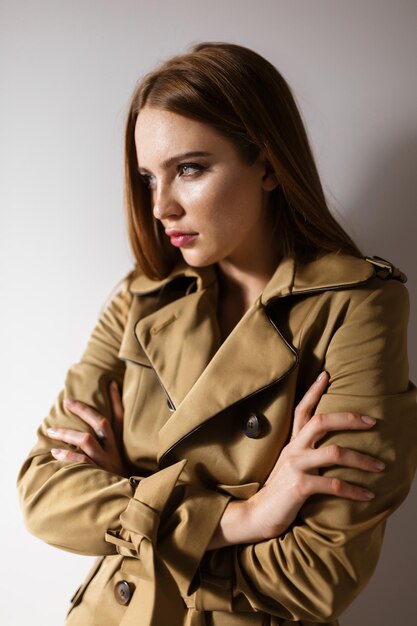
(241,423)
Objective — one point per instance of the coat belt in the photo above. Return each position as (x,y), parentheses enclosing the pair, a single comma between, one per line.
(137,539)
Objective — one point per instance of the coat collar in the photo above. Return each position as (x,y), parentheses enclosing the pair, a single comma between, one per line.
(204,277)
(330,271)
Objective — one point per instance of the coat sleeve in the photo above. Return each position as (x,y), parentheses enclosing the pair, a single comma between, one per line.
(316,568)
(87,510)
(71,505)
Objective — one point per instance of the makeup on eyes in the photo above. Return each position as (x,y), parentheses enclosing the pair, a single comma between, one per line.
(197,167)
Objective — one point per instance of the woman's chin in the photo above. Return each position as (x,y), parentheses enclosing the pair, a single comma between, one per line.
(197,260)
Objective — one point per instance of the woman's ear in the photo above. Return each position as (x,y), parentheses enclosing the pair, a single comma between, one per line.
(269,179)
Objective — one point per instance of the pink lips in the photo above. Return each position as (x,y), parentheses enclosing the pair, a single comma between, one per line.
(179,238)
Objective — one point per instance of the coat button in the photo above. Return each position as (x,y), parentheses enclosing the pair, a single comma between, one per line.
(122,592)
(252,426)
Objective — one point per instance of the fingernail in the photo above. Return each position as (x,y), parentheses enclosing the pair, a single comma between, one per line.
(320,377)
(368,420)
(368,494)
(51,431)
(101,437)
(379,465)
(57,452)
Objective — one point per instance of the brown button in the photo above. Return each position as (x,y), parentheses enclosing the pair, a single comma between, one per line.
(252,426)
(122,592)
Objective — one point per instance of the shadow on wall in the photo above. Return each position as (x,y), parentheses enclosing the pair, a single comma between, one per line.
(385,209)
(384,217)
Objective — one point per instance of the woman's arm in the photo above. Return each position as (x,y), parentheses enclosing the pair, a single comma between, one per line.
(296,475)
(72,504)
(294,478)
(195,510)
(316,568)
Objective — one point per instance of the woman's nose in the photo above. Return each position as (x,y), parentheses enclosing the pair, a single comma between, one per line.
(164,203)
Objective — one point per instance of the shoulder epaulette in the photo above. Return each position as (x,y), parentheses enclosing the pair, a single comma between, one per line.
(385,270)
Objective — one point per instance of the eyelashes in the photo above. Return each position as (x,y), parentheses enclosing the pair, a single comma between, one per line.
(184,170)
(194,167)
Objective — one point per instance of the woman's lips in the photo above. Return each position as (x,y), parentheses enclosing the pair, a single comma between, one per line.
(179,239)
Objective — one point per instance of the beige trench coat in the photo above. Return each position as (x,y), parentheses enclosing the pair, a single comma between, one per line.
(205,423)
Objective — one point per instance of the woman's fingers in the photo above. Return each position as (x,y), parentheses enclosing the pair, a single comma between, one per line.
(98,447)
(328,456)
(93,418)
(118,410)
(69,455)
(335,487)
(296,474)
(319,425)
(85,441)
(308,403)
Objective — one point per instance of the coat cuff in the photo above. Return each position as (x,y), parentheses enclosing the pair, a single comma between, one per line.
(141,518)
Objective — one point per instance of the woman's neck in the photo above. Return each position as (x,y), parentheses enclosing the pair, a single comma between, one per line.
(239,287)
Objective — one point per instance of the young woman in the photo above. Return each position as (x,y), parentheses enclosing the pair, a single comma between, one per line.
(241,423)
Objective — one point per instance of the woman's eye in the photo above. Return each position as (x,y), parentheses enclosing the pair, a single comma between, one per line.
(188,169)
(147,180)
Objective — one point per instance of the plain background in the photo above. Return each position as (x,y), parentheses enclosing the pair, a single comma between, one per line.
(67,72)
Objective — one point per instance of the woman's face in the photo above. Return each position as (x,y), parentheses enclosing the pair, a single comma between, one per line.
(212,205)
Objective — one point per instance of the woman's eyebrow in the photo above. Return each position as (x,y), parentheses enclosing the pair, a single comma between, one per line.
(178,157)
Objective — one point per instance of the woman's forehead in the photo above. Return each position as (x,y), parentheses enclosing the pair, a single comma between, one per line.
(161,134)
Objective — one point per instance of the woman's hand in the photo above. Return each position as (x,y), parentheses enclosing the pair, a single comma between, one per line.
(295,476)
(102,448)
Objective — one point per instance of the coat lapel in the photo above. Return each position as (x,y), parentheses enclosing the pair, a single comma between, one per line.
(253,357)
(180,340)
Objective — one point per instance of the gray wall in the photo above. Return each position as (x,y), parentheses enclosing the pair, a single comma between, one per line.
(67,71)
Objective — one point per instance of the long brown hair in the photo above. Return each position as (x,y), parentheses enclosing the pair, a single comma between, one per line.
(244,97)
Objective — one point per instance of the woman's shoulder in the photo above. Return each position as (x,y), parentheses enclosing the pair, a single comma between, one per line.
(333,272)
(339,269)
(361,275)
(369,287)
